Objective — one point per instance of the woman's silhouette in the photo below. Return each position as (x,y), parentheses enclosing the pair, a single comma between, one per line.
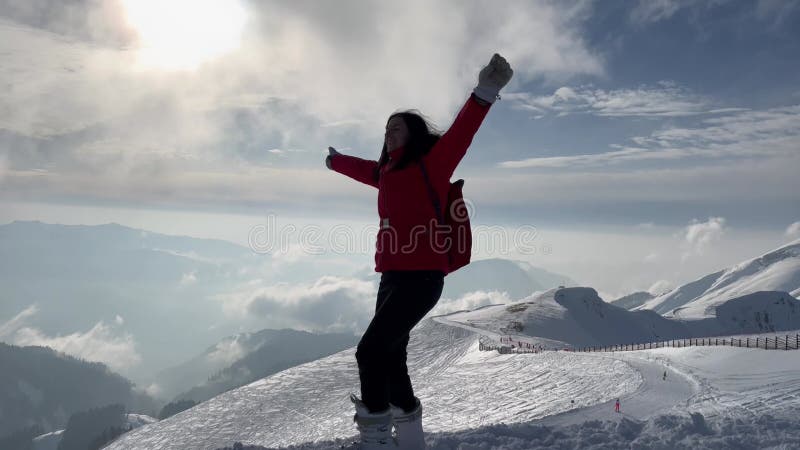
(414,166)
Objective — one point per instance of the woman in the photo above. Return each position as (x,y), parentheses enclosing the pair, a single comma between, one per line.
(415,164)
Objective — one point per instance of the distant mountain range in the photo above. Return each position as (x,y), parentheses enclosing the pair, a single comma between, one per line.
(778,270)
(44,387)
(257,355)
(579,317)
(160,286)
(164,291)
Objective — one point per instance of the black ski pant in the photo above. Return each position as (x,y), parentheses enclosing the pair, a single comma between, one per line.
(404,297)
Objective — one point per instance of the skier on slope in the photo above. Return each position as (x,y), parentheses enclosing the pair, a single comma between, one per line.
(412,269)
(616,406)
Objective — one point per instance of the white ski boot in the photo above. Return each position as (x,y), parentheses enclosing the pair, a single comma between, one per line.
(375,428)
(408,427)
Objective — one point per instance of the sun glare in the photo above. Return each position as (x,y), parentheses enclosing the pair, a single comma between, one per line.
(183,34)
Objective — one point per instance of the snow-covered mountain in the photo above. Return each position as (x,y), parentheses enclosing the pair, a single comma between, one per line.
(579,317)
(156,288)
(778,270)
(632,301)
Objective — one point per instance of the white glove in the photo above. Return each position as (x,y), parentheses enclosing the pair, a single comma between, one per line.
(331,152)
(492,78)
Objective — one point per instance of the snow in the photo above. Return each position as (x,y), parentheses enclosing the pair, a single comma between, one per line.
(139,420)
(460,387)
(484,400)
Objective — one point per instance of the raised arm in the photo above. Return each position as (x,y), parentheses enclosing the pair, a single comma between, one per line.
(362,170)
(448,152)
(452,146)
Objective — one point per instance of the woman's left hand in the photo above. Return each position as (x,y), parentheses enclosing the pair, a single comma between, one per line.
(492,78)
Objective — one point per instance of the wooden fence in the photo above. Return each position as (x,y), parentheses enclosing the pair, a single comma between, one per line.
(786,342)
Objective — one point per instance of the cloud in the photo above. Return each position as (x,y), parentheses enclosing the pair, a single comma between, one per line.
(772,133)
(99,344)
(665,100)
(470,301)
(300,66)
(650,11)
(656,10)
(3,165)
(328,304)
(699,236)
(660,287)
(103,129)
(723,182)
(776,11)
(226,352)
(154,390)
(9,328)
(188,278)
(792,231)
(651,257)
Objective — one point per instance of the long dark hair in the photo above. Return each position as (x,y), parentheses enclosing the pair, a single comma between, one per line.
(422,136)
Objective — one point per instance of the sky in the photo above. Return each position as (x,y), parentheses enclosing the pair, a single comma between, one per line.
(647,143)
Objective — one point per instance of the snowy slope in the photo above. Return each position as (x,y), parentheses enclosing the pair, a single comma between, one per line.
(778,270)
(744,398)
(712,397)
(460,386)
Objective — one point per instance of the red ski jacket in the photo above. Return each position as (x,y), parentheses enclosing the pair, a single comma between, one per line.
(405,239)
